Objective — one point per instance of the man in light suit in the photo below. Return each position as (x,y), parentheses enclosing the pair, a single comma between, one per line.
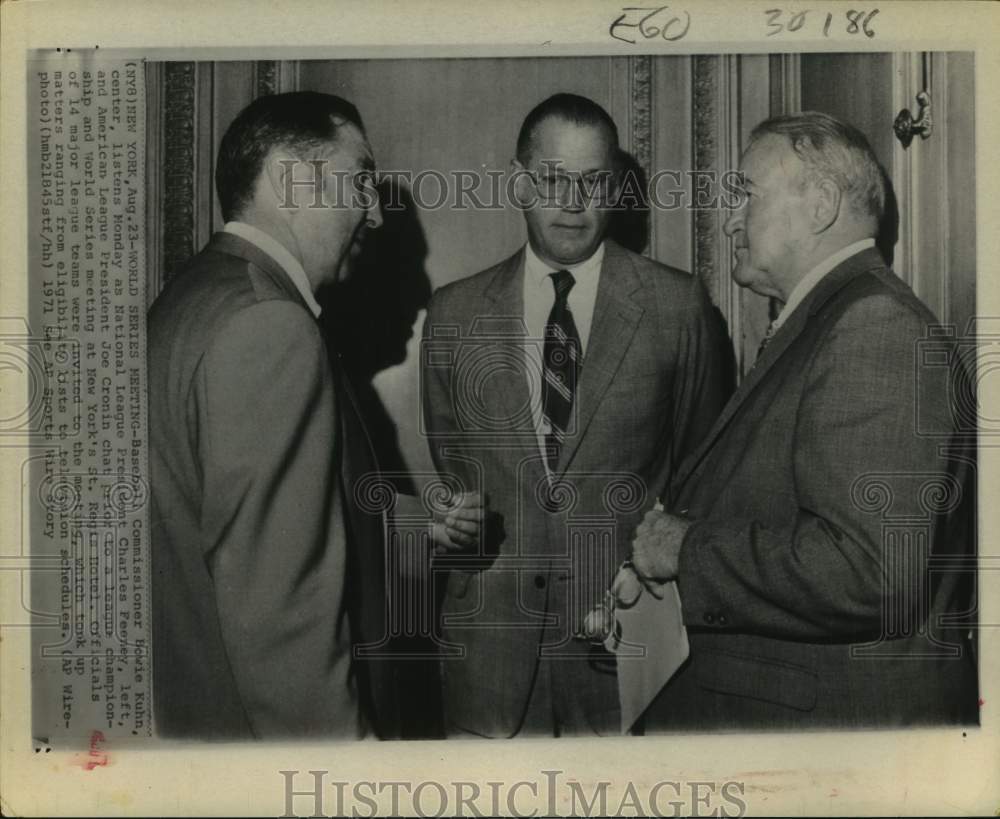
(804,527)
(563,383)
(266,569)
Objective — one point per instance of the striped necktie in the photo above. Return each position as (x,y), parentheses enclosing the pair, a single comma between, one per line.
(561,367)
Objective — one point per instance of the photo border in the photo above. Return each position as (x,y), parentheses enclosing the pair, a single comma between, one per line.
(913,772)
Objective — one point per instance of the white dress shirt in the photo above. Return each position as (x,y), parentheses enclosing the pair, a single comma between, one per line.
(813,277)
(285,260)
(539,296)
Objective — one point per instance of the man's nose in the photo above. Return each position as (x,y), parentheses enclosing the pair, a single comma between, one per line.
(373,216)
(734,223)
(576,199)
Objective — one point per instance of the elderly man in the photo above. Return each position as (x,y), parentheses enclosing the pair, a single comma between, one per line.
(803,526)
(266,569)
(562,382)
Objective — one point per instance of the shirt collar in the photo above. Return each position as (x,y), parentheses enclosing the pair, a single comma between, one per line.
(284,259)
(538,271)
(813,277)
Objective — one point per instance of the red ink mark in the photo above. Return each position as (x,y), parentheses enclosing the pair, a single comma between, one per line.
(97,756)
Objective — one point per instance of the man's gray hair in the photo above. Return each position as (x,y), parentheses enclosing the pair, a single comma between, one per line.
(833,150)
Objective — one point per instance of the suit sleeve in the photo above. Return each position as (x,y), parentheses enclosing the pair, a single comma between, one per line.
(705,376)
(855,452)
(272,518)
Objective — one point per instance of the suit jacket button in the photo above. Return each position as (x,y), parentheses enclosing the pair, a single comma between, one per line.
(722,619)
(539,581)
(709,617)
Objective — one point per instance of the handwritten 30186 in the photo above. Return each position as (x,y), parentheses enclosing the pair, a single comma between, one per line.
(854,21)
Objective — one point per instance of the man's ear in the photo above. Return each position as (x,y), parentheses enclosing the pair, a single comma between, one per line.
(277,176)
(616,183)
(825,205)
(619,167)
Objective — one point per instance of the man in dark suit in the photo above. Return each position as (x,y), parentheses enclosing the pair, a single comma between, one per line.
(804,527)
(266,567)
(563,382)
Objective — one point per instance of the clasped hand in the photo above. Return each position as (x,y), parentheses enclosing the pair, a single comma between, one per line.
(656,549)
(459,528)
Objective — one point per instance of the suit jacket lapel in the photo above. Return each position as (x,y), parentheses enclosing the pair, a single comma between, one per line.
(502,317)
(830,284)
(616,317)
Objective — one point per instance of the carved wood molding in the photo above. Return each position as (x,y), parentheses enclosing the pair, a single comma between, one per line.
(275,77)
(705,125)
(642,111)
(268,77)
(178,127)
(641,120)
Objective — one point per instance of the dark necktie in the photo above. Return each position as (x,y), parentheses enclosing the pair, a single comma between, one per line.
(561,367)
(765,341)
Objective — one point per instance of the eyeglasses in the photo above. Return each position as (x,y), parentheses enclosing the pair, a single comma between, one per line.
(604,616)
(563,187)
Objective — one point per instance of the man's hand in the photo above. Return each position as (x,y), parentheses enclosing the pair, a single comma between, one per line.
(656,548)
(625,590)
(459,528)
